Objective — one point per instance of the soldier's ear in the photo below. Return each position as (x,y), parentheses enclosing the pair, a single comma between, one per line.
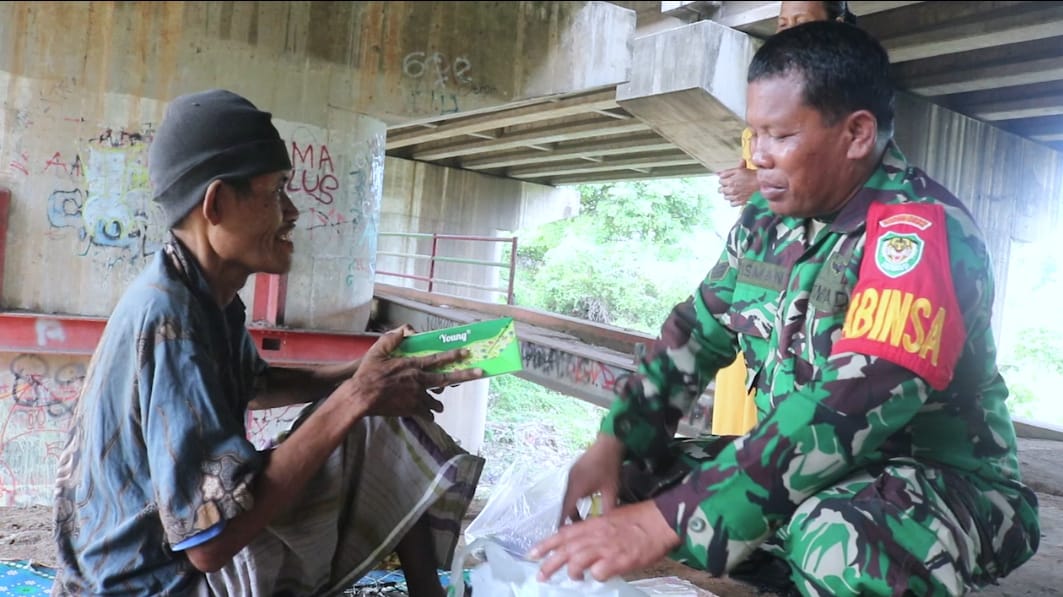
(861,132)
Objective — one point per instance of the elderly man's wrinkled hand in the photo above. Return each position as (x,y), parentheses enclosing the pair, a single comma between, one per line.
(392,386)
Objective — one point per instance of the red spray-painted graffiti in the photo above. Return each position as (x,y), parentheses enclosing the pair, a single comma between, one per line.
(37,395)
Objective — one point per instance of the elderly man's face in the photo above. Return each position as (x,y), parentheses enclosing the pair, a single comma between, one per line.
(255,231)
(800,160)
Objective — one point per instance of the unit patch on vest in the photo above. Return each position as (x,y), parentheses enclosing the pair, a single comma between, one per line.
(898,254)
(904,306)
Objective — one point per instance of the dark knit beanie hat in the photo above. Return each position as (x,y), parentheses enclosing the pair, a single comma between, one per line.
(207,136)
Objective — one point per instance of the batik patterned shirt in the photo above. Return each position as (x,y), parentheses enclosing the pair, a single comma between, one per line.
(158,451)
(867,337)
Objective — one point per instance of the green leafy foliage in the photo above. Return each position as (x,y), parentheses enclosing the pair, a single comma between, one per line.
(635,250)
(1031,333)
(655,213)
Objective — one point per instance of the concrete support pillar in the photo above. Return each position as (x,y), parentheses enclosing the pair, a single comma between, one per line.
(84,85)
(464,413)
(337,183)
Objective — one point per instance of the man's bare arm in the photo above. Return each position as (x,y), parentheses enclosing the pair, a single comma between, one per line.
(285,386)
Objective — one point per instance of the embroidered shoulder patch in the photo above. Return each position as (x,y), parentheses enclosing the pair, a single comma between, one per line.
(904,306)
(897,254)
(902,219)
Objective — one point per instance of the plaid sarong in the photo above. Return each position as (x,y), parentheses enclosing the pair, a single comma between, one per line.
(387,474)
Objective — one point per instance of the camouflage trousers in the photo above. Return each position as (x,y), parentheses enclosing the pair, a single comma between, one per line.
(902,527)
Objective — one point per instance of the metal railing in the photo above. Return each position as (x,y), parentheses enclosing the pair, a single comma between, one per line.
(434,258)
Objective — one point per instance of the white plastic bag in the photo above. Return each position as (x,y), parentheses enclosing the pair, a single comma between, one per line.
(504,575)
(524,508)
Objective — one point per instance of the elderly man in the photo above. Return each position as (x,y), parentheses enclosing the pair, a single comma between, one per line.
(859,290)
(159,491)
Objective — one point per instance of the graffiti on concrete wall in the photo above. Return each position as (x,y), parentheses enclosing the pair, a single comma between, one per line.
(440,82)
(365,187)
(267,427)
(105,198)
(37,396)
(572,368)
(314,184)
(601,379)
(337,188)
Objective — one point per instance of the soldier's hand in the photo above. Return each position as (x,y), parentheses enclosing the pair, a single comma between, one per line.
(737,185)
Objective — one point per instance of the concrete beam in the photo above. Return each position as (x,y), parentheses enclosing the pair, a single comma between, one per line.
(568,152)
(985,77)
(689,85)
(396,61)
(474,125)
(650,173)
(1031,107)
(1036,61)
(641,163)
(1040,99)
(1037,128)
(747,15)
(758,18)
(540,136)
(938,30)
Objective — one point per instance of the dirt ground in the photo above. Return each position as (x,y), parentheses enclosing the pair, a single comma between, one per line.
(26,534)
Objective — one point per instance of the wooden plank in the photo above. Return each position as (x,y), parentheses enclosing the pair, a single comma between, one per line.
(1027,429)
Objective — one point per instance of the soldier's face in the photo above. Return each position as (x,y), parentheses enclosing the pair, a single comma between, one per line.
(802,165)
(792,14)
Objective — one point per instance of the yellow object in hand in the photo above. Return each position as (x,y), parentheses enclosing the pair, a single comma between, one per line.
(747,148)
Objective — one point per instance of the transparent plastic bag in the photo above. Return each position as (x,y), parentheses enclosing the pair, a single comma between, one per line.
(524,508)
(670,586)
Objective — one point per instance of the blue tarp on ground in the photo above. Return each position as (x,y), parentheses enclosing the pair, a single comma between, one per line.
(24,578)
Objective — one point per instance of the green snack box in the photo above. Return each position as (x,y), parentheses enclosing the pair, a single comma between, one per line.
(492,344)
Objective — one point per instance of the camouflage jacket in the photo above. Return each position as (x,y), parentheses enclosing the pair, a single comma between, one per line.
(867,336)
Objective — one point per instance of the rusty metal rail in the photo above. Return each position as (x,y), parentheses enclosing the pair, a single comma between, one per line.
(434,257)
(41,333)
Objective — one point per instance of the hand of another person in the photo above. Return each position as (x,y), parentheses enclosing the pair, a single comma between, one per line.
(392,386)
(626,539)
(738,184)
(597,470)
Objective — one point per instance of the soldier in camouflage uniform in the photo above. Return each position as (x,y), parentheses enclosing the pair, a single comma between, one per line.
(859,290)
